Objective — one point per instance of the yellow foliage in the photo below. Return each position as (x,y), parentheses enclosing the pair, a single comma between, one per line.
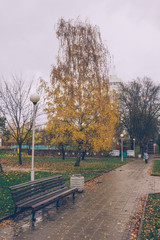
(80,110)
(90,124)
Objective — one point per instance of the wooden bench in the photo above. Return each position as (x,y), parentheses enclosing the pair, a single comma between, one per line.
(40,193)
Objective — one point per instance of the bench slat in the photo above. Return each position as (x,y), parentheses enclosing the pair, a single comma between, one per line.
(41,198)
(53,199)
(33,182)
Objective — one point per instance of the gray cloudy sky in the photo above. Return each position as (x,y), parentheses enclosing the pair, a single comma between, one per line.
(130,29)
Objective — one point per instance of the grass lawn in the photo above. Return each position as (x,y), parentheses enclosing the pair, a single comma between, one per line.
(89,168)
(156,167)
(151,223)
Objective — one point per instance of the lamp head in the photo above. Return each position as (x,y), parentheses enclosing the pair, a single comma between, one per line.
(34,98)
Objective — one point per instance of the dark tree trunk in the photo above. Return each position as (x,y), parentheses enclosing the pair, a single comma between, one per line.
(77,163)
(79,154)
(142,151)
(1,169)
(61,148)
(83,155)
(63,153)
(131,144)
(29,149)
(20,154)
(159,147)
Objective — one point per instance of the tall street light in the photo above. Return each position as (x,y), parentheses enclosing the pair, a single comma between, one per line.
(34,99)
(122,146)
(134,147)
(154,146)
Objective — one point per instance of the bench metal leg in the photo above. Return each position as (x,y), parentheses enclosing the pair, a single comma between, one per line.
(57,204)
(15,210)
(33,216)
(73,196)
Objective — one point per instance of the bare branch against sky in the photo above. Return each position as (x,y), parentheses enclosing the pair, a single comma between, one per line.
(130,29)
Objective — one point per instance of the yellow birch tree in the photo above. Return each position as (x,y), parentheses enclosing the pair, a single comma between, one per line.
(77,98)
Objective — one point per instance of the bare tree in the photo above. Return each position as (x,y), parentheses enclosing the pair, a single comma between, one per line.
(2,132)
(16,108)
(140,110)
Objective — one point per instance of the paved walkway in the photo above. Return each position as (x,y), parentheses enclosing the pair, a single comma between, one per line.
(102,212)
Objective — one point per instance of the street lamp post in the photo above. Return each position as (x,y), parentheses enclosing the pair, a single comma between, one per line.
(122,147)
(154,145)
(134,146)
(34,99)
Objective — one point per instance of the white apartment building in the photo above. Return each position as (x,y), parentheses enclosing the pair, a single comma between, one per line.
(114,81)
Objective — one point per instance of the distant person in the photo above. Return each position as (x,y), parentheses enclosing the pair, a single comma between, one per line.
(146,157)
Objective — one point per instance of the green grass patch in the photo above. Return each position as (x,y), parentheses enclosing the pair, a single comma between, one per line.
(156,167)
(89,168)
(9,179)
(151,223)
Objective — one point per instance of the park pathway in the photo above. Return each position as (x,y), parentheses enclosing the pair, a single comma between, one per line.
(103,211)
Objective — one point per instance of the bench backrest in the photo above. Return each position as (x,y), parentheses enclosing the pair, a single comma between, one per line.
(37,187)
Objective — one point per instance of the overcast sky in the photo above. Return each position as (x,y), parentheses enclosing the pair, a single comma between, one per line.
(129,28)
